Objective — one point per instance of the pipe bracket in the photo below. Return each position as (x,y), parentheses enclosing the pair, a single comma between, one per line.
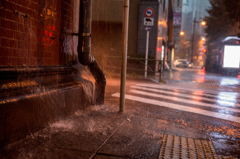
(83,34)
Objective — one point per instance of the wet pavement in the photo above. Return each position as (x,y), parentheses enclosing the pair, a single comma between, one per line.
(201,78)
(185,108)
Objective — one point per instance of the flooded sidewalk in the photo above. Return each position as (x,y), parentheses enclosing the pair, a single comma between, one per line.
(97,132)
(100,132)
(143,131)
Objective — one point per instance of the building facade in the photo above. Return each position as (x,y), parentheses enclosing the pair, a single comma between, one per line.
(158,34)
(177,23)
(107,43)
(193,13)
(41,80)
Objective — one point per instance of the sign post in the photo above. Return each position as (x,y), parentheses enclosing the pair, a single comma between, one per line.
(147,44)
(124,55)
(148,22)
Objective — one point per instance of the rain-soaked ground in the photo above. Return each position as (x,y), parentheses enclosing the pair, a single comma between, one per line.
(226,137)
(192,106)
(199,76)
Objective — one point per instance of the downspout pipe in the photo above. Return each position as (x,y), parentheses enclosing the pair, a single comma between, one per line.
(84,50)
(84,40)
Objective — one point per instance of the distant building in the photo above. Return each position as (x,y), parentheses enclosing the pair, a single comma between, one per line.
(194,10)
(177,22)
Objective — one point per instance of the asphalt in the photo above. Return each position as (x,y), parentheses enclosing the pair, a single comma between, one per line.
(101,132)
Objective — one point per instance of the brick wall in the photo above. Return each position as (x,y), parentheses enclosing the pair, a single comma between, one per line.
(35,32)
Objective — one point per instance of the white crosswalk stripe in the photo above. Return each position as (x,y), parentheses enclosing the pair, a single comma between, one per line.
(220,101)
(186,102)
(222,95)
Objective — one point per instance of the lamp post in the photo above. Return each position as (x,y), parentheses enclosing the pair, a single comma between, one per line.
(194,22)
(182,33)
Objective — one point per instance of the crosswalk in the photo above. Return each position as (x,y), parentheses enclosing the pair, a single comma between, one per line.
(221,105)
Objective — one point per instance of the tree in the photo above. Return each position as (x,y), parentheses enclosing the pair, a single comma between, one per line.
(184,47)
(222,20)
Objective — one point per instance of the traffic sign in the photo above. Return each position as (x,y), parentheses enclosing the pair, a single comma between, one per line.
(149,12)
(148,21)
(147,28)
(177,19)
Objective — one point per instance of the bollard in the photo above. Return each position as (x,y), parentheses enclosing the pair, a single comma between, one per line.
(160,71)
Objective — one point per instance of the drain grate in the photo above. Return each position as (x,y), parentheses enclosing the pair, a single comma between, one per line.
(176,147)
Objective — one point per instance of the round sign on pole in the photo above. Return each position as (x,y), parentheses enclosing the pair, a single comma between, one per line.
(149,12)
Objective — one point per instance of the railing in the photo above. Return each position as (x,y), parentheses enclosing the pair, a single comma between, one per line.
(133,64)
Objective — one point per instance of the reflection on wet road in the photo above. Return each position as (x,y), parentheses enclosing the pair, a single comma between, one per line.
(199,76)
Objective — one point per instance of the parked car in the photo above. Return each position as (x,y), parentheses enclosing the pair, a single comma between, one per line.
(190,65)
(178,61)
(182,64)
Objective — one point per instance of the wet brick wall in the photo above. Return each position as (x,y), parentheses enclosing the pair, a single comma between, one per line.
(35,32)
(38,33)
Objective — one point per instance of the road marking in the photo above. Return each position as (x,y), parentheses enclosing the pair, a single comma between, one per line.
(225,103)
(181,107)
(222,95)
(185,101)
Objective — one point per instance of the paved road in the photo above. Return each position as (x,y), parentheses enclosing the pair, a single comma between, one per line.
(217,105)
(206,102)
(199,76)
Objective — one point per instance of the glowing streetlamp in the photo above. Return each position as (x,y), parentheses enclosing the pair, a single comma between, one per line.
(182,33)
(194,22)
(203,23)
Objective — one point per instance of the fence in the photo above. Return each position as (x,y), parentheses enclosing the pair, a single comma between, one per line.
(135,66)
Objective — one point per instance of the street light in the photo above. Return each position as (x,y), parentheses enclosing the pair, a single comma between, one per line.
(202,23)
(182,33)
(203,39)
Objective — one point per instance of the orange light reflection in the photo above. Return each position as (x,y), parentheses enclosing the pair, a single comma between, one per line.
(198,93)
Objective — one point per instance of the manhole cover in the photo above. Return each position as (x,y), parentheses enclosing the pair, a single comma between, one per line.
(176,147)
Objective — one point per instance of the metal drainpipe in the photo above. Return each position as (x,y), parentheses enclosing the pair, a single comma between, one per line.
(84,41)
(84,50)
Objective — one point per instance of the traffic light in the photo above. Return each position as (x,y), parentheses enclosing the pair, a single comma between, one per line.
(204,50)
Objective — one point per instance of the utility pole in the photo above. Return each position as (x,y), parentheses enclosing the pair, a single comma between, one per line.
(194,21)
(124,55)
